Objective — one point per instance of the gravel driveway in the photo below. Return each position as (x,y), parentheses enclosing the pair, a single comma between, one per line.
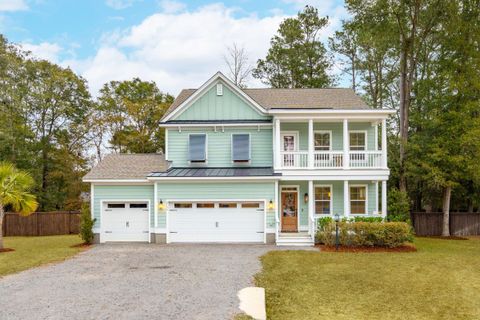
(135,281)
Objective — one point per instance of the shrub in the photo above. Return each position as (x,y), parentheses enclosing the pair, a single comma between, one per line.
(398,206)
(86,225)
(324,221)
(368,219)
(356,234)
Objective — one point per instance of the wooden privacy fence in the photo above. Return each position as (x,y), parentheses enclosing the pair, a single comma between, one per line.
(42,223)
(461,223)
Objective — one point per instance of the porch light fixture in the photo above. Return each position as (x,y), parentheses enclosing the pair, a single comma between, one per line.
(336,217)
(305,197)
(271,206)
(161,206)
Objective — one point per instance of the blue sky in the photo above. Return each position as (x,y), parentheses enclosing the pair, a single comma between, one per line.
(173,42)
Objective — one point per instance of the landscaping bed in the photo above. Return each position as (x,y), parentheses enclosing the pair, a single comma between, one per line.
(404,248)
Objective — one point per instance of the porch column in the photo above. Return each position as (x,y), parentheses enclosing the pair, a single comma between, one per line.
(276,211)
(346,157)
(311,207)
(384,198)
(155,205)
(377,190)
(346,199)
(276,142)
(384,143)
(310,144)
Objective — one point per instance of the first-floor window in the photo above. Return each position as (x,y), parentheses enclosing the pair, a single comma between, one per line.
(323,196)
(358,199)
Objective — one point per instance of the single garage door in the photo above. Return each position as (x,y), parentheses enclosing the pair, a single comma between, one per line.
(125,221)
(216,222)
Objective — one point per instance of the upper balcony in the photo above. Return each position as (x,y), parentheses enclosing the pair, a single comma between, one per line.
(319,145)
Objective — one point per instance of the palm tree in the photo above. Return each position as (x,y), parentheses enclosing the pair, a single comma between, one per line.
(14,192)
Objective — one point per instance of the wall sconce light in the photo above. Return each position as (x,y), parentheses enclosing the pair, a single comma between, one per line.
(305,197)
(271,206)
(161,206)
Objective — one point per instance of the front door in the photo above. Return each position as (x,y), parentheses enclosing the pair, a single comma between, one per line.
(289,211)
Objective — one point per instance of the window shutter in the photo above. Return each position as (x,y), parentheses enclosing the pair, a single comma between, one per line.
(241,147)
(197,143)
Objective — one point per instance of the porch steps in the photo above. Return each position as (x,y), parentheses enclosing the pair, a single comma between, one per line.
(294,239)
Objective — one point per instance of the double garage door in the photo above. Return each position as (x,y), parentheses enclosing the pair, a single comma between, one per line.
(236,221)
(125,221)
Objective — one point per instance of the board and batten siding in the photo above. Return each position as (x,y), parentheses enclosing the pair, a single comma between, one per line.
(337,132)
(228,106)
(219,190)
(219,146)
(121,193)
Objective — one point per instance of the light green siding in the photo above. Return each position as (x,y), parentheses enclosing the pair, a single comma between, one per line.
(219,146)
(219,190)
(337,132)
(111,192)
(228,106)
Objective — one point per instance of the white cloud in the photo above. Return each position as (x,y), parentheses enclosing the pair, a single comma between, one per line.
(45,50)
(120,4)
(177,50)
(171,6)
(13,5)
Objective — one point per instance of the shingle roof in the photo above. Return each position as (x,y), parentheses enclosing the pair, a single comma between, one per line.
(216,172)
(270,98)
(128,166)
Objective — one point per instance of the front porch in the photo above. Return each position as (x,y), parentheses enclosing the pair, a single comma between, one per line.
(302,202)
(330,144)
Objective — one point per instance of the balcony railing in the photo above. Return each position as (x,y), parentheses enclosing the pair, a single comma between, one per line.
(331,160)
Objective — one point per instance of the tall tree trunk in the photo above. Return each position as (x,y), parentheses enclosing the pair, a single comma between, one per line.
(2,214)
(446,211)
(403,115)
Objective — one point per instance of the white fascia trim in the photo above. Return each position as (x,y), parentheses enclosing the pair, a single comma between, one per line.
(206,85)
(255,178)
(334,178)
(114,180)
(332,111)
(119,182)
(218,124)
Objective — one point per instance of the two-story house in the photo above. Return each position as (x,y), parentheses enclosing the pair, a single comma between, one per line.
(246,165)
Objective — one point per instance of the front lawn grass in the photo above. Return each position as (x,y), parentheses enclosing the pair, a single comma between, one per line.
(34,251)
(439,281)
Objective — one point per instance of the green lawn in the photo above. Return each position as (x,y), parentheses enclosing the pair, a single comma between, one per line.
(440,281)
(34,251)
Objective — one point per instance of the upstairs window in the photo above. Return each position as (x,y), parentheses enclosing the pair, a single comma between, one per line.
(322,141)
(197,147)
(358,141)
(240,147)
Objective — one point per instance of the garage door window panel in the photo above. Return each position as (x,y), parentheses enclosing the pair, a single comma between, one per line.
(183,205)
(116,205)
(205,205)
(229,205)
(250,205)
(138,205)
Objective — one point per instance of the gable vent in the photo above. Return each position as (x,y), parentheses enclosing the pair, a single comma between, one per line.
(219,89)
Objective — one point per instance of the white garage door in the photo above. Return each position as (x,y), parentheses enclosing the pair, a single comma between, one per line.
(125,221)
(216,222)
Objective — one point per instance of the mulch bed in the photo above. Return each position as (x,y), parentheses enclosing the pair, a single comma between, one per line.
(6,250)
(445,238)
(82,245)
(404,248)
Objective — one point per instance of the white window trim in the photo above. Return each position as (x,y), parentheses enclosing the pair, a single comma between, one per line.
(365,132)
(206,148)
(366,200)
(330,138)
(249,148)
(297,187)
(331,199)
(289,133)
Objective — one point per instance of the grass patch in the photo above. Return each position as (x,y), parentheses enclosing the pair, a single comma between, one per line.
(34,251)
(439,281)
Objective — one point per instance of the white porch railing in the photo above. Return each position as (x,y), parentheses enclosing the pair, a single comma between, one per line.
(294,159)
(328,159)
(365,159)
(331,160)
